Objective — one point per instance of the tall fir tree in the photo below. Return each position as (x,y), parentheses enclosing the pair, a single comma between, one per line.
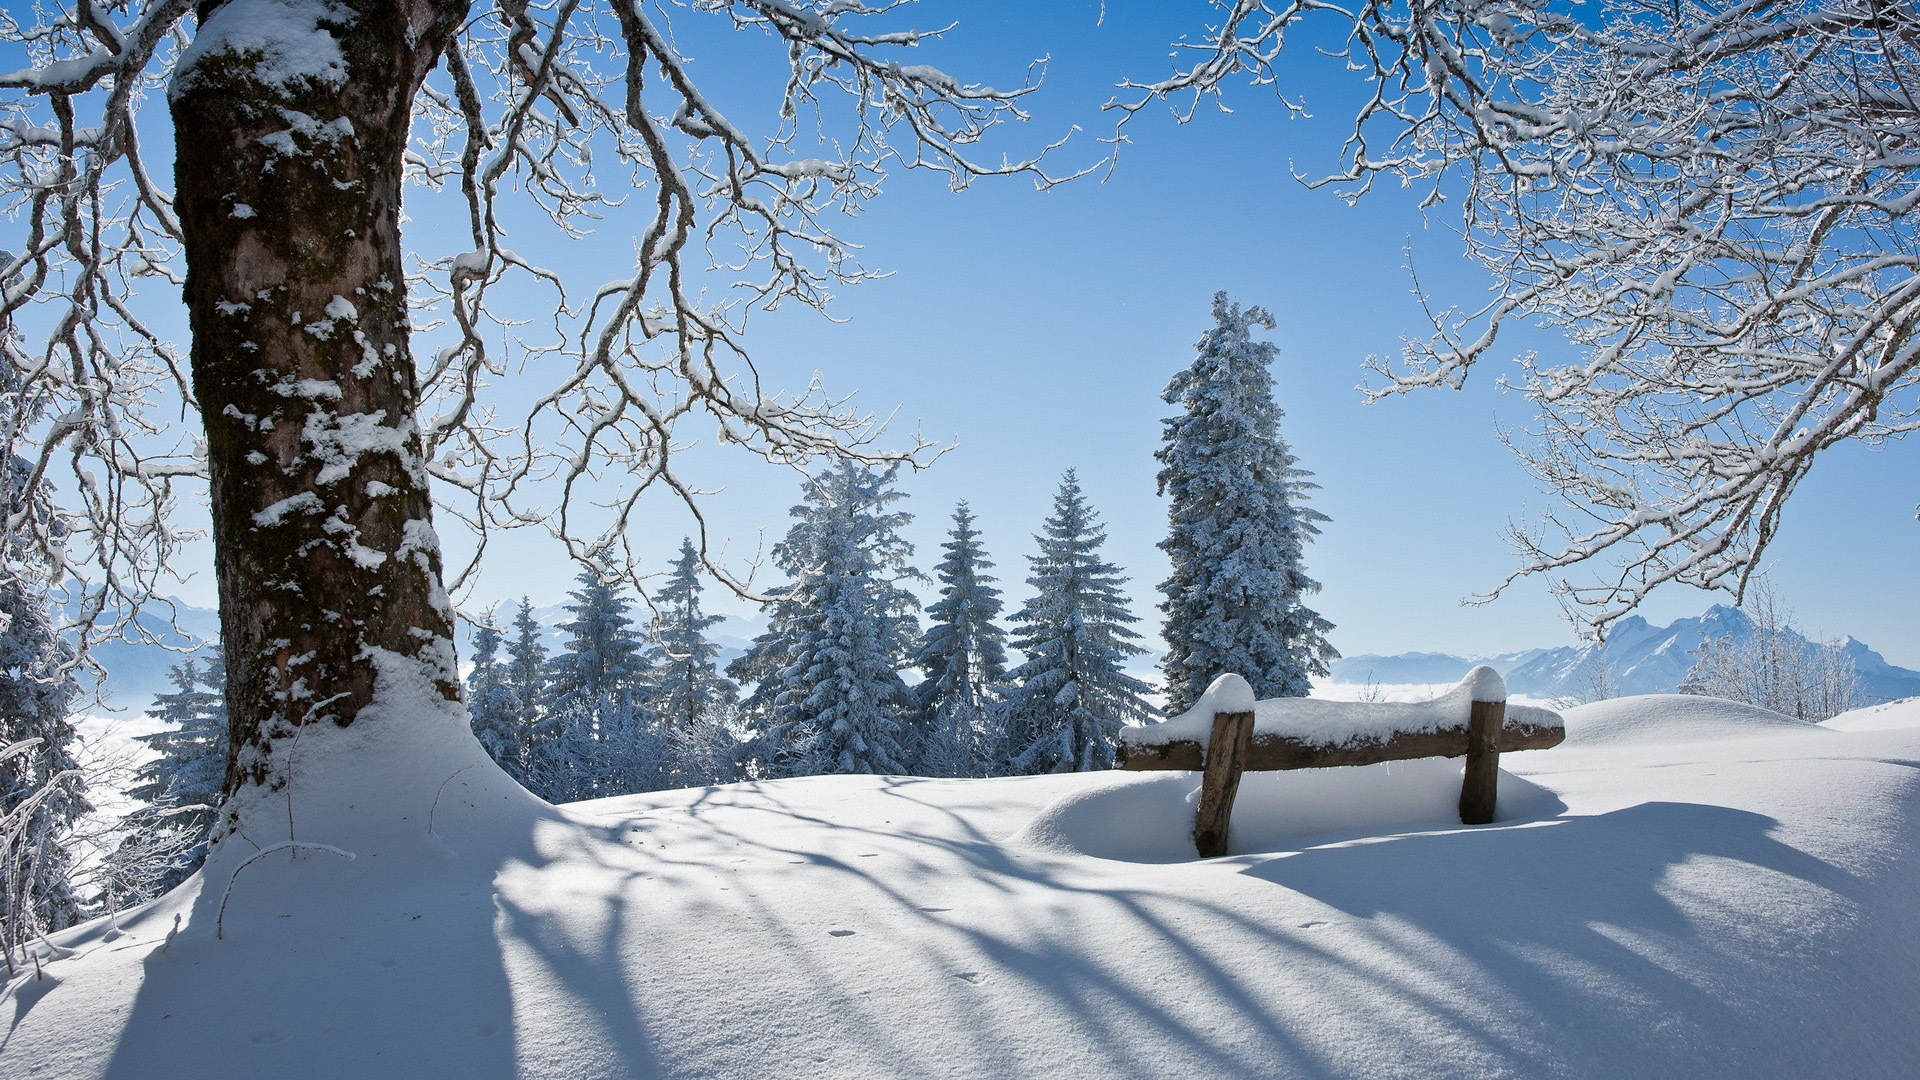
(688,684)
(1072,695)
(42,790)
(606,739)
(602,650)
(829,697)
(1237,524)
(694,702)
(525,680)
(182,786)
(963,655)
(499,720)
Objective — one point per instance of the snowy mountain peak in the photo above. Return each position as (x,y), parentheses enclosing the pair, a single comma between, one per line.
(1638,657)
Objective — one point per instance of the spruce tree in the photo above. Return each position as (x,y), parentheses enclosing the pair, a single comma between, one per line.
(499,720)
(42,791)
(829,697)
(602,649)
(607,741)
(1071,697)
(525,680)
(693,701)
(1238,524)
(183,785)
(963,654)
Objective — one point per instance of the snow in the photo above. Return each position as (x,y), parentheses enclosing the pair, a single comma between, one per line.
(1228,693)
(287,37)
(1676,718)
(1735,904)
(1326,722)
(1890,715)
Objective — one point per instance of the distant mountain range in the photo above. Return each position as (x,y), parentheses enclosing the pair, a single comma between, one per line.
(137,662)
(1641,658)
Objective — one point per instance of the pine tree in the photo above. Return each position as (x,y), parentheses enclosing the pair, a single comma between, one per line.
(694,702)
(603,650)
(1238,524)
(42,791)
(498,714)
(183,785)
(605,741)
(1072,696)
(963,654)
(525,681)
(829,697)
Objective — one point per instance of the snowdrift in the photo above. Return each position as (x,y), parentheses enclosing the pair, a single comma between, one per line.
(1675,718)
(1886,717)
(1148,817)
(1733,906)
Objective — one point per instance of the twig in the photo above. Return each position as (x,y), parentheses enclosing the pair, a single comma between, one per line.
(220,921)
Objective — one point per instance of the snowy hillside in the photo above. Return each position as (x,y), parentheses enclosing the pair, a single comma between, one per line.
(1681,889)
(1639,657)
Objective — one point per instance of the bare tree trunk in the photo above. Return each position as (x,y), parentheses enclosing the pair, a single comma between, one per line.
(288,182)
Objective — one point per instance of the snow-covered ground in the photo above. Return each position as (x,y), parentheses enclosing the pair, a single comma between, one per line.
(1683,889)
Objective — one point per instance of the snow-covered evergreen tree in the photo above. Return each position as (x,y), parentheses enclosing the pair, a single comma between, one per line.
(604,739)
(183,785)
(602,652)
(687,684)
(42,791)
(963,654)
(829,697)
(1071,697)
(1238,524)
(525,680)
(694,702)
(499,716)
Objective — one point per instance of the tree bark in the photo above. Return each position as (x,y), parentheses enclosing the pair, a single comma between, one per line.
(288,189)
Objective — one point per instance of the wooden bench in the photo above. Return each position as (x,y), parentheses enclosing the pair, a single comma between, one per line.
(1484,729)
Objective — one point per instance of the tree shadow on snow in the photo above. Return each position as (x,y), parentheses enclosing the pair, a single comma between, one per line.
(1640,938)
(330,968)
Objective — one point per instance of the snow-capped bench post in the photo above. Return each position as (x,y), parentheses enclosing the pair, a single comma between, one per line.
(1472,719)
(1228,747)
(1480,783)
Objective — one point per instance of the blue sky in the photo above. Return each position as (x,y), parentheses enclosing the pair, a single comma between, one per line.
(1034,331)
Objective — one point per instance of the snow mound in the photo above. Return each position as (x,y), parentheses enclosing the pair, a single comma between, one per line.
(1884,717)
(1657,718)
(1147,817)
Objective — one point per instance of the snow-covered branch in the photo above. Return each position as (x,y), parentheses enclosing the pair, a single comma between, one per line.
(86,376)
(592,115)
(567,114)
(1712,200)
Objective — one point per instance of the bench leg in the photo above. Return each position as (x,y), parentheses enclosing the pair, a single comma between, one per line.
(1480,787)
(1227,753)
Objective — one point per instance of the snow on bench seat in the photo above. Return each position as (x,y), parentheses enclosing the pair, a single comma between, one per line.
(1302,733)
